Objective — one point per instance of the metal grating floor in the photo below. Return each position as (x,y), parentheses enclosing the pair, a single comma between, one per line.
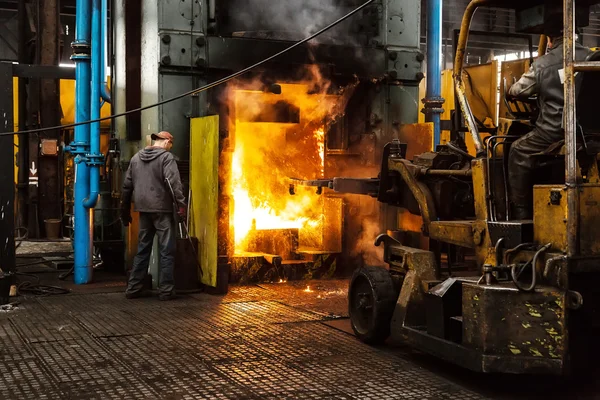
(242,346)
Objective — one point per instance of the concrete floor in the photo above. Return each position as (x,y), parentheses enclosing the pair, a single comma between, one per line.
(272,341)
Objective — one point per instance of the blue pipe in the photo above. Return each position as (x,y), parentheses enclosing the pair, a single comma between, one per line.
(80,145)
(104,32)
(94,155)
(434,100)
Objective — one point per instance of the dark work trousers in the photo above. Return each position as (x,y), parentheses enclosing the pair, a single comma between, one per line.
(163,225)
(522,163)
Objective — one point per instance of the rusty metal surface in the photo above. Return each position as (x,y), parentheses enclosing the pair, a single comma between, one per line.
(570,129)
(536,319)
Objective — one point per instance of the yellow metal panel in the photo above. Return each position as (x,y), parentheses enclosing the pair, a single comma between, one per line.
(67,103)
(204,185)
(481,82)
(459,233)
(589,230)
(448,95)
(549,220)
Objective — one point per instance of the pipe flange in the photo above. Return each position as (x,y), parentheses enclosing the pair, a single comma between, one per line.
(433,102)
(94,160)
(81,57)
(78,148)
(432,110)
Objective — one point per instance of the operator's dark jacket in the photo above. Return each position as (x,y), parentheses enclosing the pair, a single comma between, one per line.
(148,169)
(544,79)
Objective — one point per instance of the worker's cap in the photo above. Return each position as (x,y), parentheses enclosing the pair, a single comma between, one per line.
(162,136)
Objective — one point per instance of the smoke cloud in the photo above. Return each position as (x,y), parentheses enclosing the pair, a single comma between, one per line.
(293,19)
(365,245)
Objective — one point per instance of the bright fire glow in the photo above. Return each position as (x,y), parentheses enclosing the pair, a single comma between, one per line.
(320,135)
(268,153)
(307,290)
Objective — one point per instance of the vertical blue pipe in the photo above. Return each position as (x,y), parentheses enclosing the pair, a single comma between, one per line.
(434,100)
(80,145)
(104,38)
(94,157)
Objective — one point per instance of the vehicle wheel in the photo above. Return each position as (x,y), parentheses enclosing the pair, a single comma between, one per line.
(371,302)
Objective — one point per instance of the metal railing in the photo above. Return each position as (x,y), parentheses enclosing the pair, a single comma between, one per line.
(570,68)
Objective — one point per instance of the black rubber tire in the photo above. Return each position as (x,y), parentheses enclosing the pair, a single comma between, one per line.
(372,298)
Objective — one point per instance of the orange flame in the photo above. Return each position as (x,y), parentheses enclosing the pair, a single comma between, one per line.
(268,153)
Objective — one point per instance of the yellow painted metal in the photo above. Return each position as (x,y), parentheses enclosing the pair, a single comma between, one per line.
(549,220)
(16,123)
(448,95)
(484,249)
(204,186)
(67,103)
(481,88)
(460,233)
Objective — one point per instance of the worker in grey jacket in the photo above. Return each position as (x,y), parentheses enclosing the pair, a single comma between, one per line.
(545,79)
(146,182)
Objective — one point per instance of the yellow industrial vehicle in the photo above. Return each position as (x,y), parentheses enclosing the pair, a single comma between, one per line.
(483,291)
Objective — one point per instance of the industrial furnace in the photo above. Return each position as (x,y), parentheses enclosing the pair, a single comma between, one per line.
(323,109)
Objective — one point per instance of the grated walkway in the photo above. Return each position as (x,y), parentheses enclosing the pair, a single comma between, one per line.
(258,342)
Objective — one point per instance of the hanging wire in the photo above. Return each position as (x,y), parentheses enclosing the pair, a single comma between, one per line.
(200,89)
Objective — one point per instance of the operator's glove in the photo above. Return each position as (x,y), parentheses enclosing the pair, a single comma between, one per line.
(181,213)
(125,215)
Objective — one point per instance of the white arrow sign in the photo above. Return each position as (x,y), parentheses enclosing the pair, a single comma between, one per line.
(33,170)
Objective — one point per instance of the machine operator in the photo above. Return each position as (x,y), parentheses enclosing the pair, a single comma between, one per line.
(545,79)
(146,183)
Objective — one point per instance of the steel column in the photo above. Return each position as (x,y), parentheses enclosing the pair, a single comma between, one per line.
(433,101)
(50,193)
(570,129)
(22,181)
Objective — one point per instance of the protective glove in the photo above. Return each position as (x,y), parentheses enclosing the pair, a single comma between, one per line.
(181,213)
(125,216)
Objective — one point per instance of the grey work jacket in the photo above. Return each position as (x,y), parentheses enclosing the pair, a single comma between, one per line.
(545,79)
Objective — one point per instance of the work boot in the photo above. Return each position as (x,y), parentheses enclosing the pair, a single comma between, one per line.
(137,295)
(167,297)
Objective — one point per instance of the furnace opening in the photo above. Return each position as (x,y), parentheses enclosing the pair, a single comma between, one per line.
(277,135)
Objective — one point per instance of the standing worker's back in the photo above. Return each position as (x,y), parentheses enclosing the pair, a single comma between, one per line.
(146,183)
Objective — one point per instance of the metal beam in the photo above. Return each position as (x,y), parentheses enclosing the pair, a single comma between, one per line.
(50,186)
(43,71)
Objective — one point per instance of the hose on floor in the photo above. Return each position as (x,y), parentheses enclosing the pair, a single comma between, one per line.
(35,288)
